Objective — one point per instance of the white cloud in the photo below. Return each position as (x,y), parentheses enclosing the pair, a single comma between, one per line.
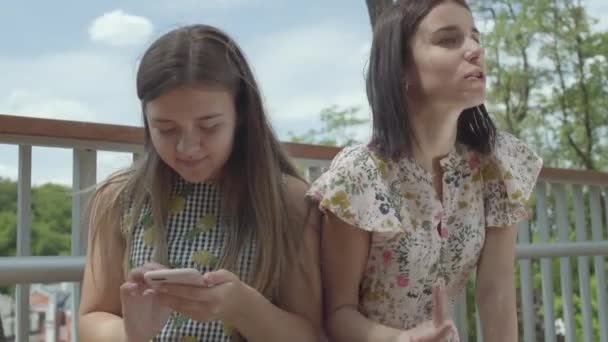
(82,85)
(120,29)
(8,172)
(77,85)
(187,6)
(602,21)
(49,165)
(110,162)
(486,25)
(27,103)
(309,68)
(303,70)
(598,9)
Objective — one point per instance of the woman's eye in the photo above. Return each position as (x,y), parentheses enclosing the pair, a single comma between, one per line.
(448,41)
(169,130)
(209,127)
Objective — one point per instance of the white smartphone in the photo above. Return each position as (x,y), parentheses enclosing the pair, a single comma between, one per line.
(177,276)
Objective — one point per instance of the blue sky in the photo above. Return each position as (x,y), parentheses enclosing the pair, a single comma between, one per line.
(76,60)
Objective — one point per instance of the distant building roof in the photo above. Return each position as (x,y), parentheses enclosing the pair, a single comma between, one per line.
(40,293)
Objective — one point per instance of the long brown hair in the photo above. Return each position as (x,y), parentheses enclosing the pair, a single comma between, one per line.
(390,59)
(253,192)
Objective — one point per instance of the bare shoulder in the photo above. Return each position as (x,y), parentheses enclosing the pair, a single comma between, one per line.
(300,289)
(295,186)
(295,191)
(105,203)
(105,250)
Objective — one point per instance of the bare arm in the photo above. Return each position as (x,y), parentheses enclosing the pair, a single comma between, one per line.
(100,307)
(495,288)
(344,254)
(298,314)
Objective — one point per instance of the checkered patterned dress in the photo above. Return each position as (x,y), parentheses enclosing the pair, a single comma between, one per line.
(195,239)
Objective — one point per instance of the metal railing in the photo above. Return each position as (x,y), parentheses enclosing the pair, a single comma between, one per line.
(566,230)
(569,221)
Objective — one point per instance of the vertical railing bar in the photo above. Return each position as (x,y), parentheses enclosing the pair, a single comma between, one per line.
(545,263)
(564,262)
(583,264)
(460,315)
(24,223)
(478,325)
(526,286)
(84,176)
(599,263)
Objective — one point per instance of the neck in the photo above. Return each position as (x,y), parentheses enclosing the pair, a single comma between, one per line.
(435,129)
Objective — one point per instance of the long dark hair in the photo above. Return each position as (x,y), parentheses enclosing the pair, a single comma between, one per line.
(393,135)
(253,191)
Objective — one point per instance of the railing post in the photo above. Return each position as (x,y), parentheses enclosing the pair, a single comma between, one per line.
(460,314)
(315,168)
(24,224)
(598,261)
(50,320)
(564,263)
(84,176)
(478,326)
(545,263)
(313,172)
(526,286)
(583,264)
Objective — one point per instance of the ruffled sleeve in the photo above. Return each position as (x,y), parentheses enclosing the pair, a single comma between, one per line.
(509,176)
(354,189)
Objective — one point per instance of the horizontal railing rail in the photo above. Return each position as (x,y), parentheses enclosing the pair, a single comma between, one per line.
(569,220)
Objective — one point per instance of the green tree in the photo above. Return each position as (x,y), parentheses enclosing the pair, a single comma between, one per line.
(548,80)
(51,220)
(339,128)
(514,78)
(547,77)
(578,72)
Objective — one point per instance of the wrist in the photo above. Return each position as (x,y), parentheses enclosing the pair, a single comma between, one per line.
(127,338)
(247,308)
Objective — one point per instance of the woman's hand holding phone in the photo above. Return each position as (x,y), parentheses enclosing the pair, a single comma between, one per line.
(143,315)
(217,295)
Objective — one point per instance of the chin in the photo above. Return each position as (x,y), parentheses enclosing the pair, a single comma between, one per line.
(192,176)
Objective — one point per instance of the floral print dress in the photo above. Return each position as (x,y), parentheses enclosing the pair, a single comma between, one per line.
(416,237)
